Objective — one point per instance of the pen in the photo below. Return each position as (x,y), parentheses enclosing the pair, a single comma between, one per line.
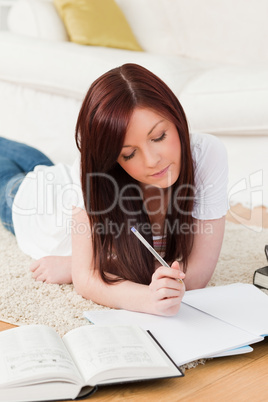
(151,249)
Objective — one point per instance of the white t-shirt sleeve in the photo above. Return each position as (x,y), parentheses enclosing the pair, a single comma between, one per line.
(77,195)
(211,177)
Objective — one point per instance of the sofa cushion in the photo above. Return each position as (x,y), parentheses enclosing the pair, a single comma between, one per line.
(68,69)
(217,98)
(228,100)
(36,18)
(96,23)
(150,23)
(224,31)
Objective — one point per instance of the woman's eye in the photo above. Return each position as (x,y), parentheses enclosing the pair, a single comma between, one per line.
(128,157)
(161,138)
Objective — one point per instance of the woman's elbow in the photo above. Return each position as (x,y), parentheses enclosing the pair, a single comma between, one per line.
(83,286)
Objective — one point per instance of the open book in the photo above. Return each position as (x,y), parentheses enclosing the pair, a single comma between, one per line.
(37,364)
(211,322)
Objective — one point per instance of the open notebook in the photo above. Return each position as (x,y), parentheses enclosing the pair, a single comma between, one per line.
(215,321)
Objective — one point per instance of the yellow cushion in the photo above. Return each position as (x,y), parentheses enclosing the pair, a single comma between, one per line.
(96,23)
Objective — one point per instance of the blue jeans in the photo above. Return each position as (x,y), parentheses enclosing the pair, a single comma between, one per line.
(16,160)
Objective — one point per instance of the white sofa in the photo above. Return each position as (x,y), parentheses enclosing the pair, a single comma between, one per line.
(212,53)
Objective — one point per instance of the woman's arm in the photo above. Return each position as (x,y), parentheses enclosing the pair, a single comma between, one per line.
(202,262)
(163,296)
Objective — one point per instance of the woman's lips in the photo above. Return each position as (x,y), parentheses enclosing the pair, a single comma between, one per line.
(161,172)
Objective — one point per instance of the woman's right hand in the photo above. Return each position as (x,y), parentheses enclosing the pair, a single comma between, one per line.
(166,290)
(52,269)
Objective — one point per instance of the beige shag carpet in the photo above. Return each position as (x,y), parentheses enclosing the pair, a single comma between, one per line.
(25,301)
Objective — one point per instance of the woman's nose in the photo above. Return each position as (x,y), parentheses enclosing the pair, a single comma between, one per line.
(151,158)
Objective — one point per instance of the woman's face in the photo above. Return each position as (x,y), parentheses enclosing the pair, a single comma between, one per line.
(151,153)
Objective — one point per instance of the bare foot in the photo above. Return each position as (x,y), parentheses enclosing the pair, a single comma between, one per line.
(52,269)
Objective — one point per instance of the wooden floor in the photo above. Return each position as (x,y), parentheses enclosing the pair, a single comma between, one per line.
(241,378)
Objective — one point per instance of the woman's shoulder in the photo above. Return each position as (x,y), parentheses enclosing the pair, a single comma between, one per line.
(211,176)
(203,143)
(208,153)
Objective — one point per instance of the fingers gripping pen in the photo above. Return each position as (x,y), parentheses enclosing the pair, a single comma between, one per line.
(151,249)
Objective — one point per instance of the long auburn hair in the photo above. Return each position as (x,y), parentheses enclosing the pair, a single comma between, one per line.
(100,131)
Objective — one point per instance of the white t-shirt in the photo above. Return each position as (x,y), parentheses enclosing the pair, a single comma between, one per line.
(211,177)
(42,209)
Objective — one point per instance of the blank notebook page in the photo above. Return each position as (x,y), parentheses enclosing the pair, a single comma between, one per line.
(239,304)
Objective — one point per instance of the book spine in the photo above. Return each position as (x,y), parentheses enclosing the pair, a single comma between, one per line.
(86,394)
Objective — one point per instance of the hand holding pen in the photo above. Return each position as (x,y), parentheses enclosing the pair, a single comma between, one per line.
(167,287)
(151,249)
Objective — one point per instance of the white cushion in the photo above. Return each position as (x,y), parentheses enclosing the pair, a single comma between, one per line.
(36,18)
(228,100)
(217,98)
(224,30)
(149,21)
(66,68)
